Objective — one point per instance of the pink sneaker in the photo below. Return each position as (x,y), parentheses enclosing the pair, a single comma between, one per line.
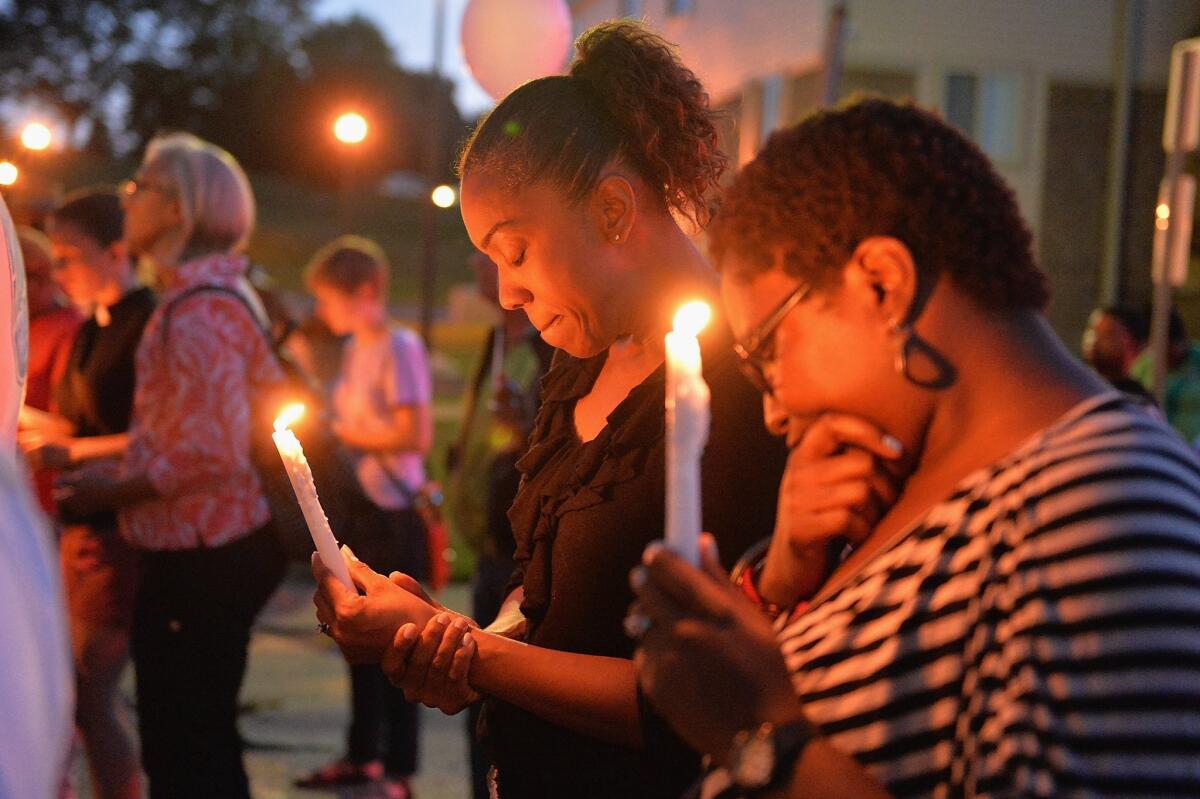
(342,772)
(397,788)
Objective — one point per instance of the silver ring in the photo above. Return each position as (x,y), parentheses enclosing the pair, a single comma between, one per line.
(323,629)
(637,625)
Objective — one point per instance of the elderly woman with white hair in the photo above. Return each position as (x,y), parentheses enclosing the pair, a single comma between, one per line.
(187,494)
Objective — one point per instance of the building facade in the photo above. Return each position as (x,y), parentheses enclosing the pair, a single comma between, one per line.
(1041,86)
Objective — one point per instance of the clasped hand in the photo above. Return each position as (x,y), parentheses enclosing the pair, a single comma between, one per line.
(86,490)
(424,649)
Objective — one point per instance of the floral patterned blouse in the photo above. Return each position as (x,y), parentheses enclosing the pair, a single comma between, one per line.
(199,365)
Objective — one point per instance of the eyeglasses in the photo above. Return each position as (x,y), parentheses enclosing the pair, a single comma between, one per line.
(134,186)
(757,350)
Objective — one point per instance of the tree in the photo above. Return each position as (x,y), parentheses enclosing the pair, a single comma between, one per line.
(348,64)
(257,77)
(85,57)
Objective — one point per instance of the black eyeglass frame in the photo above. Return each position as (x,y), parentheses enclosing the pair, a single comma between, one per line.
(749,349)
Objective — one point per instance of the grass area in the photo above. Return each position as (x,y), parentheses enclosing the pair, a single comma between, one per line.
(295,221)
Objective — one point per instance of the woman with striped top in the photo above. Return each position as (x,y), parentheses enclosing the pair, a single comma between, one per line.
(987,563)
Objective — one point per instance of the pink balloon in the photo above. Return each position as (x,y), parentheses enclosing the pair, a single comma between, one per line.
(508,42)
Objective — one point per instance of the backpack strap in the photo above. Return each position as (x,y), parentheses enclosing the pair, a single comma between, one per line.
(214,289)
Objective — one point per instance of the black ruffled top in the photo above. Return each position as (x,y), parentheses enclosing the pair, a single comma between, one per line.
(583,515)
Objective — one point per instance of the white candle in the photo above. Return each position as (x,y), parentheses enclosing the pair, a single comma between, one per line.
(306,494)
(687,430)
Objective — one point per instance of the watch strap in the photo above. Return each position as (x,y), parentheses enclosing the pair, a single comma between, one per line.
(789,742)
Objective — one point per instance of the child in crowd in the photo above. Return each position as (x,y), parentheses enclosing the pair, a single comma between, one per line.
(382,409)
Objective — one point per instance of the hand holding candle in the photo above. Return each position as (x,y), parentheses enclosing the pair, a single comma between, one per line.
(306,494)
(687,430)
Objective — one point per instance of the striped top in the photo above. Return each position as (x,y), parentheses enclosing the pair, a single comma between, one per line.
(1035,634)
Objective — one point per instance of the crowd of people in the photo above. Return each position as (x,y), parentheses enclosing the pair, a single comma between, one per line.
(942,556)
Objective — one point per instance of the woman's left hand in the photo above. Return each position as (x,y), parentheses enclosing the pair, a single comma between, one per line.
(364,624)
(705,640)
(85,491)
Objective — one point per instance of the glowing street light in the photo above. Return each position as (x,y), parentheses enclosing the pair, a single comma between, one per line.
(350,128)
(443,196)
(35,136)
(8,173)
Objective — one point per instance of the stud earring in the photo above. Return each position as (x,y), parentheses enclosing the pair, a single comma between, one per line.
(616,237)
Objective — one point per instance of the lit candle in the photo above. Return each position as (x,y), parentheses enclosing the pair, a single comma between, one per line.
(306,494)
(687,430)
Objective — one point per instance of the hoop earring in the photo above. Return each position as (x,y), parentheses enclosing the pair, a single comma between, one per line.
(915,356)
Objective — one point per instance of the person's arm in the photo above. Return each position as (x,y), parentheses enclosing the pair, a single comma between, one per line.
(710,663)
(593,695)
(80,450)
(89,490)
(409,428)
(45,423)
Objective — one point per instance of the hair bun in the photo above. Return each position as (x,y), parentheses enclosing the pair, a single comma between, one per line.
(660,106)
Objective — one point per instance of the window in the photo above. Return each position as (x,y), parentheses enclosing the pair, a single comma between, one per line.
(677,8)
(990,108)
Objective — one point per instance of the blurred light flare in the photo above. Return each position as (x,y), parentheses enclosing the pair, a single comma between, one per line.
(444,196)
(288,416)
(8,173)
(350,128)
(1163,214)
(36,136)
(692,317)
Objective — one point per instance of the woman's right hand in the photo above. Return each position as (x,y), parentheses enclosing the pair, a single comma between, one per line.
(364,621)
(432,666)
(840,479)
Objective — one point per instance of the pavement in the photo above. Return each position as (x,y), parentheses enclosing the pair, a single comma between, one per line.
(295,705)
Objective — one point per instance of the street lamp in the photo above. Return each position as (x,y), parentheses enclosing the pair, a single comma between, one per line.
(36,136)
(443,196)
(350,128)
(8,173)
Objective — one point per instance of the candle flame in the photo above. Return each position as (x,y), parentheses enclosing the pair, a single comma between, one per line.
(288,416)
(691,318)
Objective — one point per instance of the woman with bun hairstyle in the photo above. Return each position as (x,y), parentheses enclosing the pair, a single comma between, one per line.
(573,185)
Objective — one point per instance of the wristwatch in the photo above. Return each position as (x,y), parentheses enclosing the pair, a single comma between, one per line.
(762,759)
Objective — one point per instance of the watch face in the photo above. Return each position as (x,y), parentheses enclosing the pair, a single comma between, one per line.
(754,762)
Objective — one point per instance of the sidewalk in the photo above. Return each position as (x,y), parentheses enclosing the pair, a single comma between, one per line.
(296,702)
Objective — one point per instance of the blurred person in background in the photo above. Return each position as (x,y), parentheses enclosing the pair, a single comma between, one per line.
(52,321)
(482,480)
(1114,338)
(95,402)
(1181,390)
(187,495)
(52,326)
(382,402)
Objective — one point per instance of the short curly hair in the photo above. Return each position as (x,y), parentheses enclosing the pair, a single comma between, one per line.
(878,168)
(627,96)
(348,262)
